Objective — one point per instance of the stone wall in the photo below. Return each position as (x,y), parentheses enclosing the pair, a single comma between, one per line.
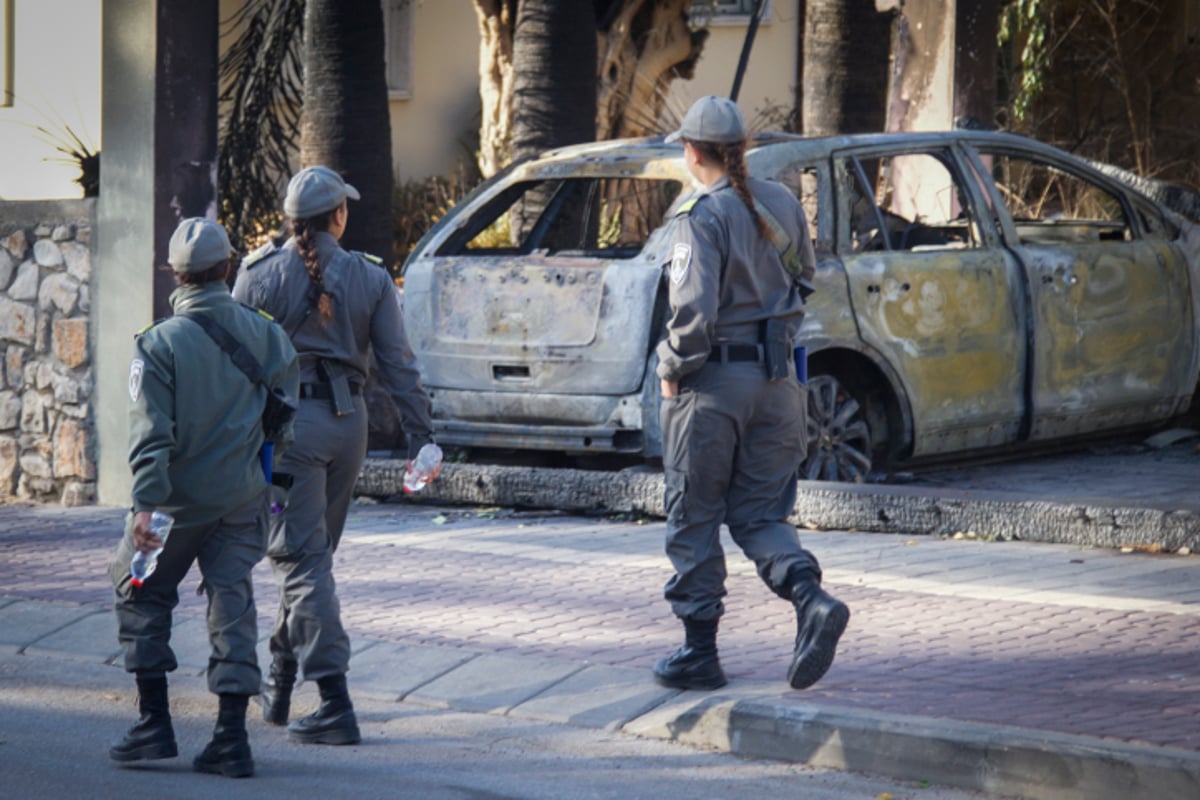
(47,432)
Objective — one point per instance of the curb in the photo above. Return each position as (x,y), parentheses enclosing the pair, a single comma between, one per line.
(994,759)
(1092,522)
(752,720)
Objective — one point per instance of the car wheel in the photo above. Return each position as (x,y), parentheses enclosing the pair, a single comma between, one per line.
(839,438)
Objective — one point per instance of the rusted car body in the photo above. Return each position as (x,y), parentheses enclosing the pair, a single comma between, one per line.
(975,291)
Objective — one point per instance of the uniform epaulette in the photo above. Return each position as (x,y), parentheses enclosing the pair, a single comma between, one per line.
(258,311)
(258,255)
(148,327)
(686,207)
(373,259)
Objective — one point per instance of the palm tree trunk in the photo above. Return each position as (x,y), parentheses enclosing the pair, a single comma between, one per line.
(845,67)
(345,125)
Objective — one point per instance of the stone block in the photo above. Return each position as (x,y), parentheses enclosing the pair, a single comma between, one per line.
(45,375)
(59,291)
(83,234)
(63,232)
(42,230)
(10,411)
(25,287)
(35,464)
(71,342)
(17,244)
(78,259)
(42,334)
(14,359)
(34,417)
(7,266)
(18,323)
(47,254)
(66,390)
(71,445)
(35,488)
(85,299)
(76,493)
(8,465)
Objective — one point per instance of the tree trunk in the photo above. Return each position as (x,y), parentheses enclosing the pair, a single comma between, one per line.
(497,18)
(645,47)
(554,75)
(975,47)
(345,124)
(845,67)
(922,83)
(554,87)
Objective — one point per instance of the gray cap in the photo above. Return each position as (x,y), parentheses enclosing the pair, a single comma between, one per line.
(315,190)
(711,119)
(198,244)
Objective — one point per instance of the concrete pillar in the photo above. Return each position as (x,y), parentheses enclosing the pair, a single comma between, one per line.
(158,165)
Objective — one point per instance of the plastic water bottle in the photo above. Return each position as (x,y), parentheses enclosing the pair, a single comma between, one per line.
(143,564)
(422,468)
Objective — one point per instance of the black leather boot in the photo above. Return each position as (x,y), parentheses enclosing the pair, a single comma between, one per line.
(276,696)
(695,665)
(151,736)
(333,722)
(820,621)
(228,753)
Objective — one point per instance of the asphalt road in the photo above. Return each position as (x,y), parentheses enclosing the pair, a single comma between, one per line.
(58,716)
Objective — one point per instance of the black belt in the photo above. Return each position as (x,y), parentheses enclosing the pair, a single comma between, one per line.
(322,391)
(726,353)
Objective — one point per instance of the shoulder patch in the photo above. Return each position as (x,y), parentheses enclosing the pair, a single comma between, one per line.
(681,259)
(259,254)
(137,368)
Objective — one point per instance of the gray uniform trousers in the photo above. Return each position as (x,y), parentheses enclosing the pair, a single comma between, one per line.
(325,462)
(226,551)
(733,443)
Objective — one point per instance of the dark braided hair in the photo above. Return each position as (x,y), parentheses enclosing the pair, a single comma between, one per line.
(732,158)
(305,231)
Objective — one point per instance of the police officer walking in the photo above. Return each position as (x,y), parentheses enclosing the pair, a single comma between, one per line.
(733,411)
(337,306)
(195,435)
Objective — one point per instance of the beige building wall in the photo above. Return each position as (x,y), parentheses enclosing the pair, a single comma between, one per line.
(438,126)
(50,62)
(769,84)
(55,80)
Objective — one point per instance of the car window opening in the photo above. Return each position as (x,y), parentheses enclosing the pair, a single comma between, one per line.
(608,218)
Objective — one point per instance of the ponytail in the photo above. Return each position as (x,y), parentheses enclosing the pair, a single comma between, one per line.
(732,158)
(305,231)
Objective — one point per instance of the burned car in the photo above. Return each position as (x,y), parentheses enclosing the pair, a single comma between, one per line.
(975,292)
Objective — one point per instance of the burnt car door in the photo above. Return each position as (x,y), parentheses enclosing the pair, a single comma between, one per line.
(1112,335)
(934,294)
(532,311)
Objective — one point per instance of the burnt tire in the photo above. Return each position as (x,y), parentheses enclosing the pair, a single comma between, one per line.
(839,436)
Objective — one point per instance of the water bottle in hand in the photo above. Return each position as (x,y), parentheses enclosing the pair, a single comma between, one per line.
(421,469)
(143,564)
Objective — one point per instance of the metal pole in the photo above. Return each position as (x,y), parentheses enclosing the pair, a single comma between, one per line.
(759,7)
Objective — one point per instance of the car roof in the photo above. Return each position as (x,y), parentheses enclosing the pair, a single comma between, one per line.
(650,148)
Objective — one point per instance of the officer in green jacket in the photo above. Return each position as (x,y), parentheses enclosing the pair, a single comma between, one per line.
(195,432)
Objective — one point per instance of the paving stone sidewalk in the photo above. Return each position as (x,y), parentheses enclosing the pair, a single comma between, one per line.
(963,637)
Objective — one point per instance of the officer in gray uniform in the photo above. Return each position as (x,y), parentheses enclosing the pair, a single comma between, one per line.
(195,431)
(733,411)
(336,305)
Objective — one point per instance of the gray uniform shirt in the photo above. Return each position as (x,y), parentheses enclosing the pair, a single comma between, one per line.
(367,316)
(725,277)
(194,418)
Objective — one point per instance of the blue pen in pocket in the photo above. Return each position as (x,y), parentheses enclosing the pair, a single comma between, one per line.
(801,356)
